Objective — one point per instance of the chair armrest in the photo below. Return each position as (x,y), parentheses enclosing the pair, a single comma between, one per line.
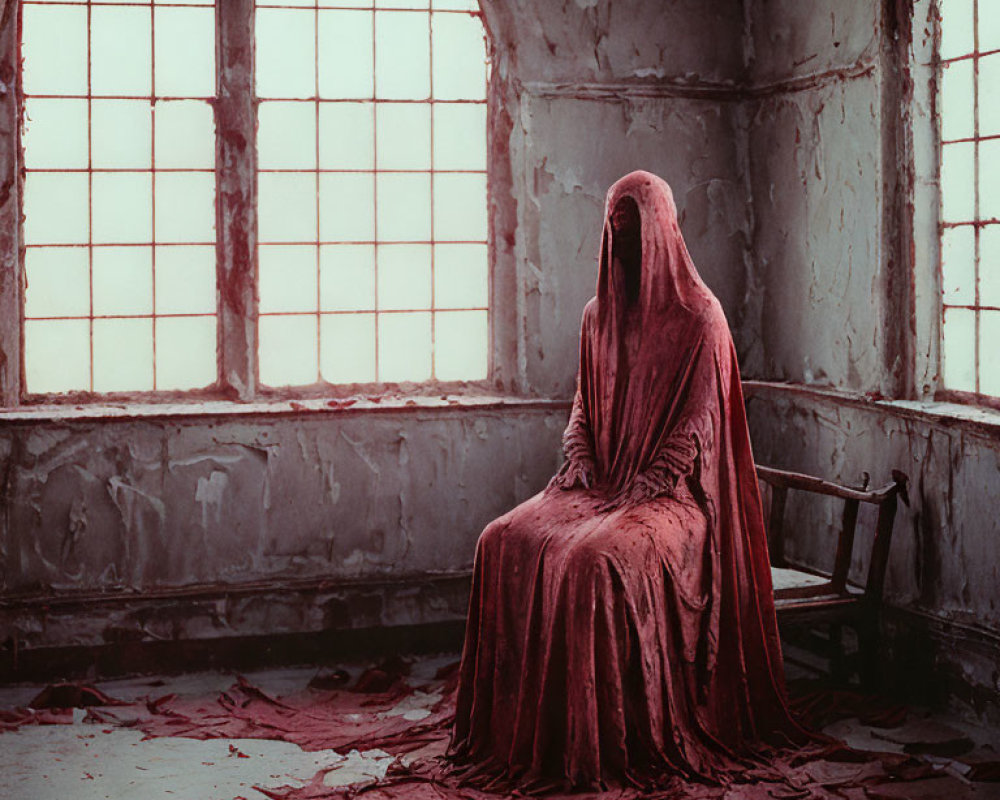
(810,483)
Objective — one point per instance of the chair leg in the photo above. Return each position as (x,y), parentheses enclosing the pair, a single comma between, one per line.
(838,668)
(870,652)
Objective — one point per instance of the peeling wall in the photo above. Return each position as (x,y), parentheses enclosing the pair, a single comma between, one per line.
(135,506)
(815,165)
(844,307)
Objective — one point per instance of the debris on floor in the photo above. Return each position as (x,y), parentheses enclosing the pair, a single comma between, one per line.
(380,732)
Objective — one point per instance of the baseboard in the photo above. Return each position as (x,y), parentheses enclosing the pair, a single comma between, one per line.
(220,627)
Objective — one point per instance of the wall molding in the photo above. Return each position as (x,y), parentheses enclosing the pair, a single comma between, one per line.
(696,89)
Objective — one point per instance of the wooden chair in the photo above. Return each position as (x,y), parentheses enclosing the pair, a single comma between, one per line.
(807,598)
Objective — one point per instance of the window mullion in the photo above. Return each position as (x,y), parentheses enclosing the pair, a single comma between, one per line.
(236,216)
(11,270)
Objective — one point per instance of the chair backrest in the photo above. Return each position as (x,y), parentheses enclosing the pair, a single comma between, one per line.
(885,498)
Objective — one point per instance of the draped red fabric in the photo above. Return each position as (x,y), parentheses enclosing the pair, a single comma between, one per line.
(621,626)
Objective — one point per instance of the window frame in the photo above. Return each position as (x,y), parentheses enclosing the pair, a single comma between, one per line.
(235,113)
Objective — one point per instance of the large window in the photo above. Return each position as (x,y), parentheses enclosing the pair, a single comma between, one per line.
(969,113)
(372,187)
(369,156)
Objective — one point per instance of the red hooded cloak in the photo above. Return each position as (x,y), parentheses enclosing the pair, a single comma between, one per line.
(621,625)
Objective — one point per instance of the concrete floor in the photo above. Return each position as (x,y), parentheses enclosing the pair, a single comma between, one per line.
(87,761)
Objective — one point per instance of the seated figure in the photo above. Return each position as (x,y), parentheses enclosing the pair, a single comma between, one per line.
(621,627)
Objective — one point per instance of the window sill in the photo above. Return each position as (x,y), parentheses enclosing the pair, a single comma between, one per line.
(980,419)
(186,410)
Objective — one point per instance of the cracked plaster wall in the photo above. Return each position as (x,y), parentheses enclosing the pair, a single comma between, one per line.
(146,506)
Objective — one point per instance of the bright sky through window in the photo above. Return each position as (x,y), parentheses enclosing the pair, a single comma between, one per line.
(970,194)
(119,197)
(372,191)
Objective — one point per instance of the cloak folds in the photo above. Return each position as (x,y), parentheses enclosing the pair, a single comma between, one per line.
(621,626)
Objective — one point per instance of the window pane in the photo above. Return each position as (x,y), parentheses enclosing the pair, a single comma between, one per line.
(122,207)
(460,207)
(957,173)
(959,345)
(404,276)
(402,56)
(346,208)
(957,100)
(185,279)
(989,109)
(185,52)
(460,345)
(404,135)
(413,4)
(185,352)
(287,278)
(55,134)
(989,27)
(123,355)
(121,133)
(956,27)
(348,348)
(55,208)
(347,278)
(185,135)
(123,280)
(58,281)
(57,355)
(120,52)
(989,267)
(286,205)
(958,265)
(404,346)
(288,350)
(185,207)
(989,363)
(345,54)
(346,135)
(55,50)
(455,5)
(989,179)
(285,53)
(459,57)
(286,135)
(404,212)
(460,276)
(460,136)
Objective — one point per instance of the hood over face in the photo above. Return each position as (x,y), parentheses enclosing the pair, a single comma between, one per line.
(668,275)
